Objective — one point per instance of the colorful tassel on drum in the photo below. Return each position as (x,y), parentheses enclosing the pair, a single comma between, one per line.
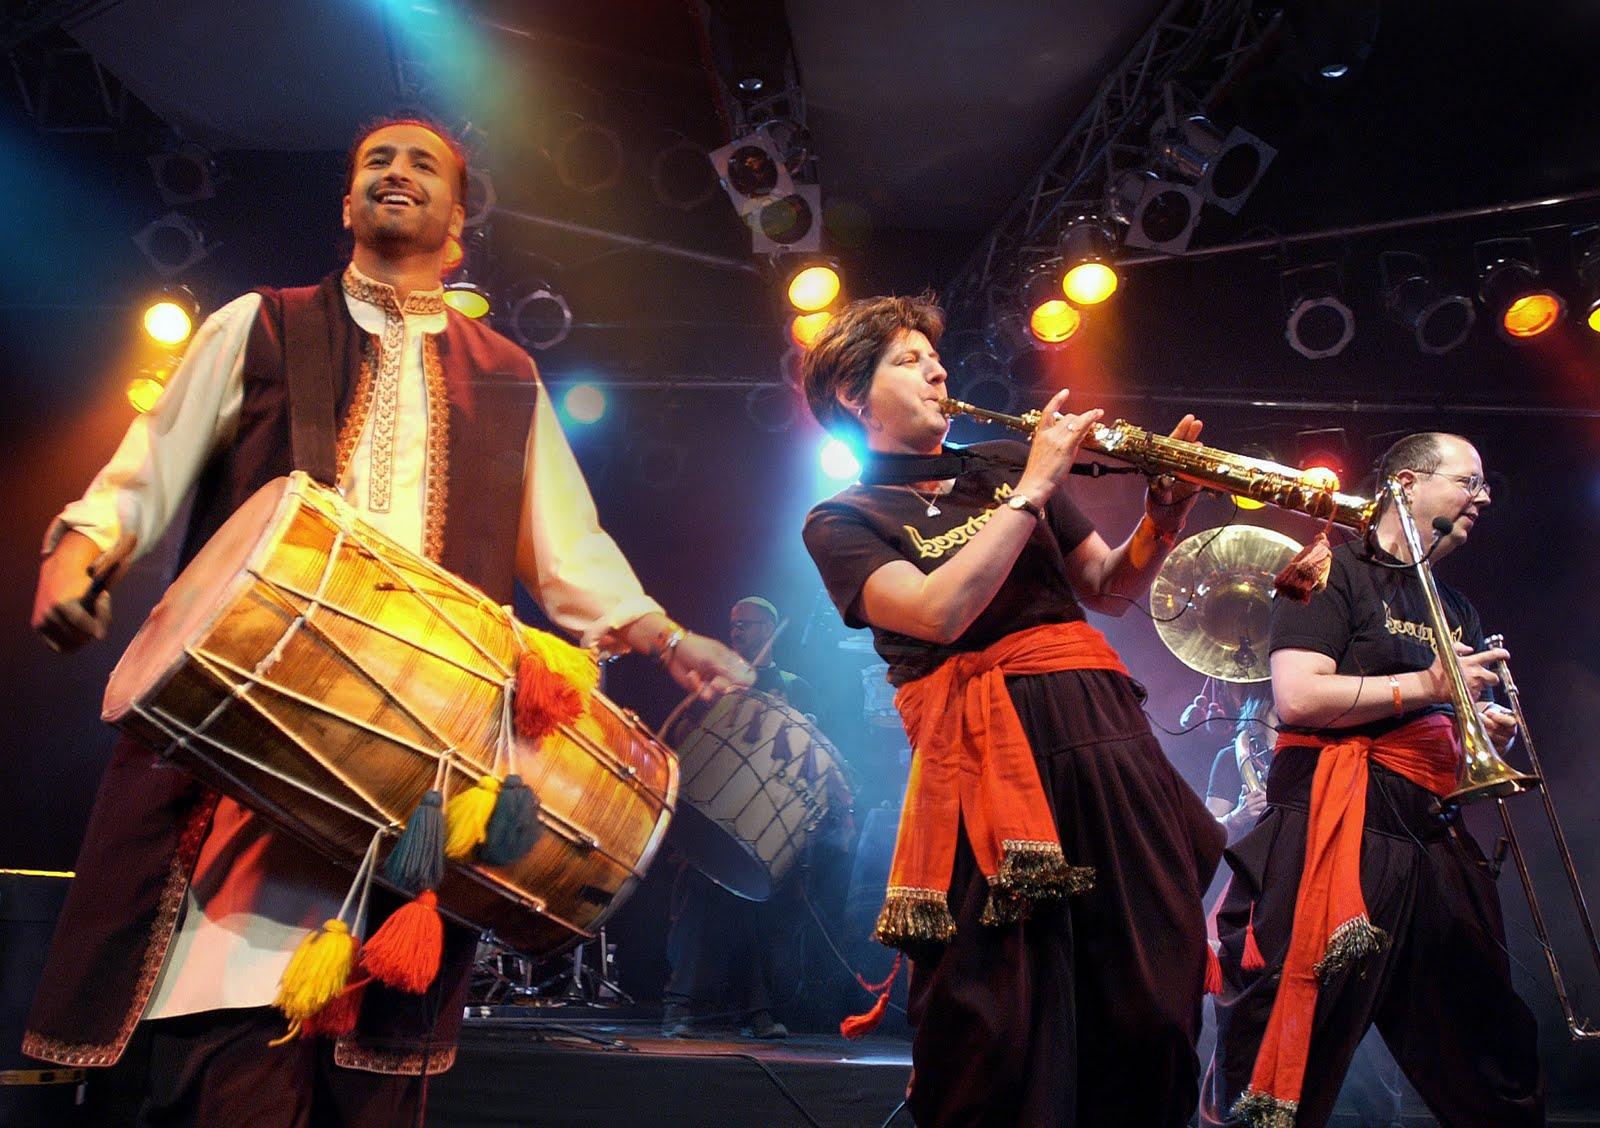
(514,824)
(405,952)
(860,1025)
(554,682)
(466,818)
(338,1018)
(317,972)
(417,860)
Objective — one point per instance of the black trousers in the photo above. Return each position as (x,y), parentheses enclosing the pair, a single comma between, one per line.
(216,1068)
(724,950)
(1087,1013)
(1440,993)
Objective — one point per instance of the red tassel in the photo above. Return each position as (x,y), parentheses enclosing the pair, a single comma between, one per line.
(405,952)
(860,1025)
(1251,960)
(338,1018)
(545,700)
(1213,972)
(1308,572)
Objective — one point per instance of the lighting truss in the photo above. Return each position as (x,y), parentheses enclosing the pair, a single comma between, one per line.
(1191,39)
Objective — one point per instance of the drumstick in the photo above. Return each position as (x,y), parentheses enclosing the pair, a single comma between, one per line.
(694,695)
(106,568)
(766,651)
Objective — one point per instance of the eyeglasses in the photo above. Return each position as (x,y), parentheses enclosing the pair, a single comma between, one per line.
(1474,484)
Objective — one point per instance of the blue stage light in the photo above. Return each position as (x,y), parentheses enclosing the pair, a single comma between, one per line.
(838,461)
(584,403)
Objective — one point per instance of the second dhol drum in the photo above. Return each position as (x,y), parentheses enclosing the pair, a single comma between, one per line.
(759,782)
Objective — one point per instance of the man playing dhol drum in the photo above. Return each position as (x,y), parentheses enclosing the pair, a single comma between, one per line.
(185,909)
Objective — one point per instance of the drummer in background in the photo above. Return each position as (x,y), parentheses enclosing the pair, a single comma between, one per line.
(1236,806)
(752,625)
(723,949)
(1050,862)
(185,910)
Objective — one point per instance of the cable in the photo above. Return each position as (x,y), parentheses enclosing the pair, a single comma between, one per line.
(838,955)
(771,1076)
(892,1115)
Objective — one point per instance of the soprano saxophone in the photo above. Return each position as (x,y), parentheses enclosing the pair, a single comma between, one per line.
(1268,482)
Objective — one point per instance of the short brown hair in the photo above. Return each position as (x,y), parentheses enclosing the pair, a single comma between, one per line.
(1420,452)
(849,350)
(451,142)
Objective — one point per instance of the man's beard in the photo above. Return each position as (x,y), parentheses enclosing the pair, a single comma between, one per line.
(392,239)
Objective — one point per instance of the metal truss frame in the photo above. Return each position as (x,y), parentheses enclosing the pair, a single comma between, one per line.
(62,87)
(1197,42)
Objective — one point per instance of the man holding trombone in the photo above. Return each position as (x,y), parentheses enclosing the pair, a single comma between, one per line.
(1359,898)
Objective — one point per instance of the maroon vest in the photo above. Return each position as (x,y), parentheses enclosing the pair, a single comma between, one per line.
(300,373)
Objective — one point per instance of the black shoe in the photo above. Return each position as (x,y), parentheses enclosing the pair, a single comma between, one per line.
(763,1026)
(675,1022)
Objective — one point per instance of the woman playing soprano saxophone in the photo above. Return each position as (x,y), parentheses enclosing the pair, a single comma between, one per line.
(1048,872)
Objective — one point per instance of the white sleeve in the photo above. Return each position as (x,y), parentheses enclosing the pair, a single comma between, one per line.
(145,482)
(571,566)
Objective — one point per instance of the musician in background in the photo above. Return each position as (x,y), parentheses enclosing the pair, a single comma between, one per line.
(186,909)
(1050,861)
(1236,804)
(1395,921)
(724,950)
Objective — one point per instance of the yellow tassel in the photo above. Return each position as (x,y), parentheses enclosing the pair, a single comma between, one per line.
(466,818)
(571,664)
(317,972)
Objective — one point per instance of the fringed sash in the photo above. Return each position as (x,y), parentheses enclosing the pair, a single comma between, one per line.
(1331,929)
(973,764)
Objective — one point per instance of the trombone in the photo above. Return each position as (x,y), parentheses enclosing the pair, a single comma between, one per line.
(1578,1028)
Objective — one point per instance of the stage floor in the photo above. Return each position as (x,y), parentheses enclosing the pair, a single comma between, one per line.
(558,1068)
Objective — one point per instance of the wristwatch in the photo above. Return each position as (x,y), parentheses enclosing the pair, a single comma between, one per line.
(1027,504)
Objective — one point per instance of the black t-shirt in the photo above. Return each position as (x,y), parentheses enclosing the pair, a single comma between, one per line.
(862,528)
(1372,621)
(792,688)
(1225,782)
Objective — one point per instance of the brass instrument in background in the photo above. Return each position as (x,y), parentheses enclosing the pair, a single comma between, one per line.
(1576,1027)
(1268,482)
(1484,775)
(1212,600)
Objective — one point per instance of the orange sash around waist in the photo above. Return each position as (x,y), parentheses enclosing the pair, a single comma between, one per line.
(1331,928)
(972,764)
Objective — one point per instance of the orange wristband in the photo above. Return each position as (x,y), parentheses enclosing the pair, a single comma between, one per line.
(1394,688)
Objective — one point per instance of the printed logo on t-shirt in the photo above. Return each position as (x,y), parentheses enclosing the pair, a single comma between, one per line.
(1405,628)
(937,546)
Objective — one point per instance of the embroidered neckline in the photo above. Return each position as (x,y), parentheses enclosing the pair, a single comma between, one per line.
(382,295)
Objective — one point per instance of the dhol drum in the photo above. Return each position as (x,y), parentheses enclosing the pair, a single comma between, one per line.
(316,671)
(759,780)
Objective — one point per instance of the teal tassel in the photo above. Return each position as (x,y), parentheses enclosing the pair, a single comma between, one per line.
(513,824)
(417,860)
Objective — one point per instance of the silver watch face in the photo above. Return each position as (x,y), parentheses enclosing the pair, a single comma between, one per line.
(1018,501)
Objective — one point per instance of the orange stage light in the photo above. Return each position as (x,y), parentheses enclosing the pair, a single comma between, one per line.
(807,327)
(1089,283)
(1531,315)
(814,288)
(1054,321)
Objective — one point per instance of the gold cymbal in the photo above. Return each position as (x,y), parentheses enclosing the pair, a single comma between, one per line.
(1212,600)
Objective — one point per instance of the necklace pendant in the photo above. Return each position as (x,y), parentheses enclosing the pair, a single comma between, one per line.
(933,510)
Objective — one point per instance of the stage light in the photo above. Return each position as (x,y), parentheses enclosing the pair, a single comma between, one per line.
(467,298)
(169,320)
(807,327)
(751,171)
(772,407)
(1438,317)
(1330,40)
(1319,324)
(172,244)
(584,403)
(454,254)
(144,393)
(791,222)
(1052,320)
(838,461)
(541,318)
(814,286)
(681,176)
(1224,167)
(1513,295)
(481,197)
(184,174)
(1160,215)
(1322,454)
(1586,256)
(589,157)
(1087,251)
(1320,477)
